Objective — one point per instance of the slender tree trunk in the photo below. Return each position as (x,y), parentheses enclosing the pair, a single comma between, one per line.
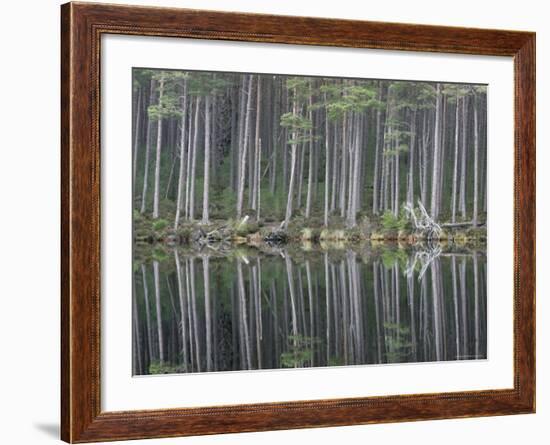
(136,134)
(206,182)
(147,151)
(158,311)
(147,313)
(462,201)
(257,149)
(300,173)
(410,187)
(179,201)
(242,160)
(311,159)
(396,172)
(442,136)
(159,149)
(437,299)
(455,301)
(455,164)
(476,305)
(437,151)
(424,190)
(207,311)
(377,156)
(259,179)
(334,184)
(183,307)
(194,160)
(476,164)
(189,159)
(344,176)
(288,212)
(242,112)
(137,363)
(327,164)
(244,322)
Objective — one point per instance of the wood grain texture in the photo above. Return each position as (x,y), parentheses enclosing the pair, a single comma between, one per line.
(82,27)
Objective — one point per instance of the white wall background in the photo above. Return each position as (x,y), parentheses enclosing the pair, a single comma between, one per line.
(29,219)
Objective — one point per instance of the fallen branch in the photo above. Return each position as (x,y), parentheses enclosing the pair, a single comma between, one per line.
(424,223)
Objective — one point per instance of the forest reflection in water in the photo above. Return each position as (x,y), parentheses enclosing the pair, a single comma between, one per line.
(203,312)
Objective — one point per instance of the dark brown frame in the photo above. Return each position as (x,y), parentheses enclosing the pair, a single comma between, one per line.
(82,25)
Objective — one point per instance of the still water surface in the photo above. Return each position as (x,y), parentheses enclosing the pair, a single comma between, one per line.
(244,309)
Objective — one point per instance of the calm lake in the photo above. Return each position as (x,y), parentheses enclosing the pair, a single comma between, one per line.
(242,309)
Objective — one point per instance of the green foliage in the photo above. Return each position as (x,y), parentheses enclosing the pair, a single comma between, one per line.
(298,124)
(159,254)
(160,224)
(390,222)
(392,256)
(157,367)
(397,342)
(300,351)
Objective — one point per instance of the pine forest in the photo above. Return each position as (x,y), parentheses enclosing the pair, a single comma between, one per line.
(285,221)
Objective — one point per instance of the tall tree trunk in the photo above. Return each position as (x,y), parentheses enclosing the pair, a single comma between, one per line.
(334,184)
(275,137)
(183,308)
(455,301)
(462,201)
(158,311)
(207,311)
(327,163)
(424,183)
(189,159)
(410,184)
(243,315)
(179,201)
(436,175)
(377,156)
(136,134)
(476,163)
(311,159)
(242,160)
(288,212)
(397,182)
(147,313)
(343,176)
(206,182)
(242,112)
(455,164)
(159,148)
(147,151)
(259,179)
(137,363)
(194,160)
(257,155)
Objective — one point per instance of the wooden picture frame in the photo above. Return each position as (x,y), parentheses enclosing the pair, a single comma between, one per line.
(82,26)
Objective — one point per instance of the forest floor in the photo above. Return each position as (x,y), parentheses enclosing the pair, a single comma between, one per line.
(309,233)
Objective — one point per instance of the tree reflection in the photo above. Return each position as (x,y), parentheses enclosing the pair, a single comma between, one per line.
(277,309)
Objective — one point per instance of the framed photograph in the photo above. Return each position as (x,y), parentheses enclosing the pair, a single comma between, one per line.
(275,222)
